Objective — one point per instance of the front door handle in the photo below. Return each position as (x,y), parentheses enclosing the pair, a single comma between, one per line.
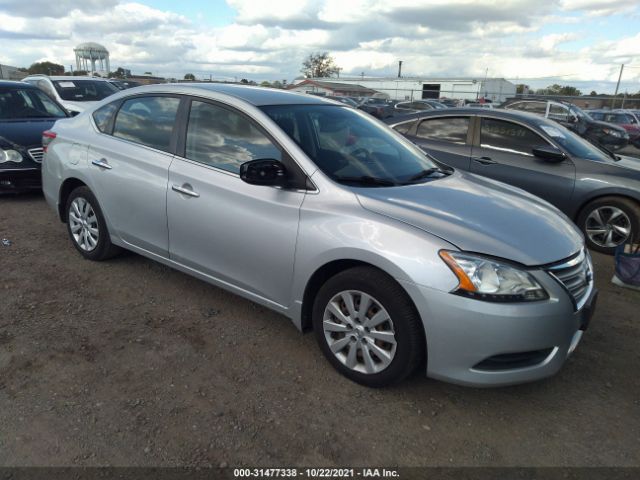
(102,163)
(484,160)
(185,189)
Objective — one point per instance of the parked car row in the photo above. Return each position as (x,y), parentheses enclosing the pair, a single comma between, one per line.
(608,135)
(458,261)
(624,118)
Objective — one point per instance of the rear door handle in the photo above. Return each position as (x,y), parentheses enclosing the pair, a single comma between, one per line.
(185,189)
(484,160)
(102,163)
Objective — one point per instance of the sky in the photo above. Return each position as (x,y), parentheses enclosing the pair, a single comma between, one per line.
(537,42)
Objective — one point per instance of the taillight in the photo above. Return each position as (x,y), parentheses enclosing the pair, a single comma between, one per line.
(47,138)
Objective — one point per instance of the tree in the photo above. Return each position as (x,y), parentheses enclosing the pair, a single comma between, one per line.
(244,81)
(593,93)
(277,84)
(556,89)
(189,76)
(79,73)
(318,65)
(265,84)
(119,73)
(47,68)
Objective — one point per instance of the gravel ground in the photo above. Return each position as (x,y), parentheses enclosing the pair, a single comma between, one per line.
(127,362)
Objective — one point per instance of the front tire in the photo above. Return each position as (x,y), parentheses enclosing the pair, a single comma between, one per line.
(608,222)
(87,227)
(367,327)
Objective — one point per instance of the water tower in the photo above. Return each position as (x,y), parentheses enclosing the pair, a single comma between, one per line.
(89,55)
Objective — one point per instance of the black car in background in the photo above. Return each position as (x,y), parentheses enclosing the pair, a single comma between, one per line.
(598,190)
(25,112)
(610,136)
(378,107)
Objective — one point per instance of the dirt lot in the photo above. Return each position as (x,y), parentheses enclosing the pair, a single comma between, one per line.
(130,363)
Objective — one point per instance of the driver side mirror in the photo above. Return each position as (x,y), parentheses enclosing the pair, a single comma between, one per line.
(267,172)
(573,118)
(549,154)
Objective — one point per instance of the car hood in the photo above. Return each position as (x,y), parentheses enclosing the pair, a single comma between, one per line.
(24,133)
(480,215)
(627,162)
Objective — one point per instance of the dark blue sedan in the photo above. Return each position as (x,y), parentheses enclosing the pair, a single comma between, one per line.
(25,112)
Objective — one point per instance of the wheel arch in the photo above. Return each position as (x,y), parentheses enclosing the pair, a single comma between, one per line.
(68,186)
(602,194)
(324,273)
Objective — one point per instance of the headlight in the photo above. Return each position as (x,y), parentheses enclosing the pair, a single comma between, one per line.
(10,156)
(490,280)
(613,133)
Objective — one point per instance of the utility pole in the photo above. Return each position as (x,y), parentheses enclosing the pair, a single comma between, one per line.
(613,102)
(399,68)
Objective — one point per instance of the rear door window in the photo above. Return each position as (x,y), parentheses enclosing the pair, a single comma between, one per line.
(147,120)
(446,129)
(509,137)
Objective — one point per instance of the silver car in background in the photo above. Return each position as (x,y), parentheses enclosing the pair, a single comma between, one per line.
(323,214)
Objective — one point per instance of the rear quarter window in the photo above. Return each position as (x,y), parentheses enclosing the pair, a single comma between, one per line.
(103,117)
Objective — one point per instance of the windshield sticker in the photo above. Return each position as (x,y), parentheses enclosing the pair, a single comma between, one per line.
(66,84)
(552,131)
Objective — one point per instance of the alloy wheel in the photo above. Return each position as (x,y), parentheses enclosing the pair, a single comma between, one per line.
(359,332)
(83,224)
(608,226)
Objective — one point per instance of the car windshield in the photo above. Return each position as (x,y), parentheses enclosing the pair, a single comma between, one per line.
(84,90)
(27,103)
(573,143)
(353,148)
(580,113)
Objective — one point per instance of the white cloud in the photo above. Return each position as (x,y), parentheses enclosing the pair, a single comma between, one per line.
(271,39)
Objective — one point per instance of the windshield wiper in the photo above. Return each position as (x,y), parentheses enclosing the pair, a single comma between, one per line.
(606,150)
(367,180)
(428,173)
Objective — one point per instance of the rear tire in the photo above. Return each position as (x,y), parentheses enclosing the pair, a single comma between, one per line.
(608,222)
(87,227)
(367,327)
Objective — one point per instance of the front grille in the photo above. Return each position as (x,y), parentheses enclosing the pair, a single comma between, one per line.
(576,276)
(36,154)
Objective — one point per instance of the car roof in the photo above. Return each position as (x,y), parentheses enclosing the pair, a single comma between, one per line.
(457,111)
(11,83)
(257,96)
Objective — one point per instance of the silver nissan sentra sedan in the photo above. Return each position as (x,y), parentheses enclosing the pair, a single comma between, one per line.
(322,213)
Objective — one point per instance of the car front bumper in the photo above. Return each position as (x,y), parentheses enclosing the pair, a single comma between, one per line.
(20,179)
(483,344)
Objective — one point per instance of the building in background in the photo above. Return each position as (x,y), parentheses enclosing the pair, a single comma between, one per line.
(8,72)
(415,88)
(325,87)
(91,55)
